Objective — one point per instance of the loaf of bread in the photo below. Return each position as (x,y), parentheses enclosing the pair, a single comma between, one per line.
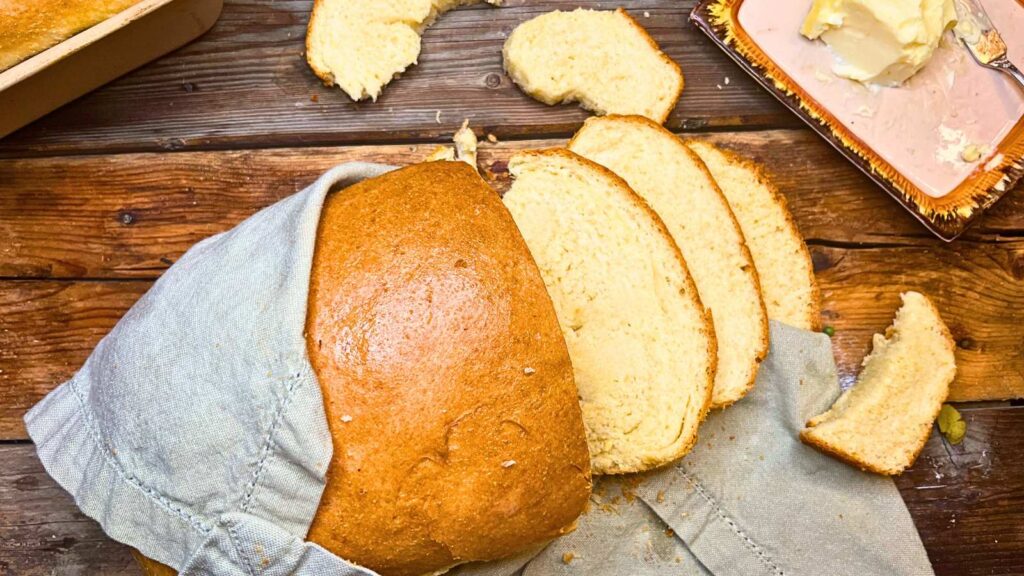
(604,60)
(447,382)
(783,263)
(677,185)
(360,45)
(883,421)
(642,344)
(28,27)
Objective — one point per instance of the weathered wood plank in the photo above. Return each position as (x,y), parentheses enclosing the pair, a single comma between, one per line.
(246,83)
(49,327)
(42,533)
(967,502)
(128,215)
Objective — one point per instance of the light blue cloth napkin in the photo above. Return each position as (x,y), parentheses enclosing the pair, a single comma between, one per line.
(749,500)
(196,433)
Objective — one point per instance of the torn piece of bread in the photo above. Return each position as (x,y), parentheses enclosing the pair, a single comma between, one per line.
(641,343)
(465,144)
(677,185)
(361,45)
(782,260)
(883,421)
(464,151)
(604,60)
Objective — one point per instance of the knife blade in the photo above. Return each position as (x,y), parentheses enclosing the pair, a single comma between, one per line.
(976,32)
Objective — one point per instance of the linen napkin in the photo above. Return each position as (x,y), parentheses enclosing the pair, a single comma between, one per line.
(749,500)
(195,432)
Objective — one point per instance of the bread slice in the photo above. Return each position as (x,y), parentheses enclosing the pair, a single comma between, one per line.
(604,60)
(361,45)
(782,260)
(882,423)
(641,343)
(677,185)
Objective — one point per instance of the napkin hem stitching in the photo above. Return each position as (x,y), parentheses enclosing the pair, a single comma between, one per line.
(750,544)
(131,479)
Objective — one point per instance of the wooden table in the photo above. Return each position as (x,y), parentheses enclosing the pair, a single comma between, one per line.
(100,197)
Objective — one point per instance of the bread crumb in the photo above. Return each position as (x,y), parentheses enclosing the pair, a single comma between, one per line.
(529,371)
(647,14)
(727,80)
(567,558)
(661,496)
(437,117)
(492,138)
(346,418)
(971,153)
(669,532)
(719,86)
(314,98)
(508,463)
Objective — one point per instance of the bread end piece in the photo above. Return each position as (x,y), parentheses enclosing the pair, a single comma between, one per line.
(883,421)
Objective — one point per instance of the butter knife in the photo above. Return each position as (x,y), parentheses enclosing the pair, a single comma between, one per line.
(977,33)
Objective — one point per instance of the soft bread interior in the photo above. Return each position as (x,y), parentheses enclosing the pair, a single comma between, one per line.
(361,46)
(677,185)
(641,343)
(883,421)
(602,59)
(783,263)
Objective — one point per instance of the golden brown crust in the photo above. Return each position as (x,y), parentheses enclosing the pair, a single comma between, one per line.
(814,312)
(762,351)
(29,27)
(447,383)
(708,329)
(665,57)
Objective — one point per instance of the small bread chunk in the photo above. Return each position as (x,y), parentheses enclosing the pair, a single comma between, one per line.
(604,60)
(641,343)
(674,181)
(361,45)
(783,263)
(882,423)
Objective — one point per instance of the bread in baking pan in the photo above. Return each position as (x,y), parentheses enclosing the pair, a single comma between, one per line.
(642,344)
(883,421)
(447,383)
(782,260)
(604,60)
(677,185)
(361,45)
(28,27)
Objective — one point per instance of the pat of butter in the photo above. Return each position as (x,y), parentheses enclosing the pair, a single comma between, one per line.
(880,41)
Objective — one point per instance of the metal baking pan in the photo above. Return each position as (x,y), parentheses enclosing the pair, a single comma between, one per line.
(97,55)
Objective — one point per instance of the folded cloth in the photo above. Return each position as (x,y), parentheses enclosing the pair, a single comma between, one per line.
(195,431)
(750,500)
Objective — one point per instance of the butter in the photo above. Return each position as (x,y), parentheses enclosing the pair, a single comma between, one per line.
(880,41)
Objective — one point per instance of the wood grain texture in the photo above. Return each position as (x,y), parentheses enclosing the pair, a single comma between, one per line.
(42,532)
(967,502)
(246,83)
(130,216)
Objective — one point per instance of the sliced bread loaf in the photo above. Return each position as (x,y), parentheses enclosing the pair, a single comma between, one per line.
(883,421)
(641,343)
(361,45)
(677,185)
(783,263)
(604,60)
